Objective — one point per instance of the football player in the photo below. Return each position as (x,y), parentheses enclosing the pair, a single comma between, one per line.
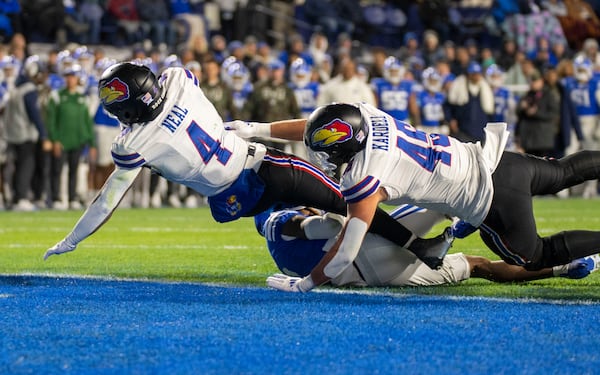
(170,127)
(393,92)
(298,238)
(489,189)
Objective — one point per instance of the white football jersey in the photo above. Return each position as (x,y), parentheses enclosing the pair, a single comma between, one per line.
(428,170)
(186,143)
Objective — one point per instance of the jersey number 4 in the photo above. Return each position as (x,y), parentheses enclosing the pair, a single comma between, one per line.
(207,147)
(416,146)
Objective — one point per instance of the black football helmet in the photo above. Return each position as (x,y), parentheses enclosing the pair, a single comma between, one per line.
(334,134)
(131,92)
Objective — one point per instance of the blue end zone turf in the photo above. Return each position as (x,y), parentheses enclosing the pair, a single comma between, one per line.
(70,325)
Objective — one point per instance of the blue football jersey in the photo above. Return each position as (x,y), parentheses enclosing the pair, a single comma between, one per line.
(240,97)
(306,97)
(432,110)
(501,101)
(293,256)
(583,95)
(393,99)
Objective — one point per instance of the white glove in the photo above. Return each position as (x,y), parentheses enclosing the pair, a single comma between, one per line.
(247,130)
(63,246)
(290,284)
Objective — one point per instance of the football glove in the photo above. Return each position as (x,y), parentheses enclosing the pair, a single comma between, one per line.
(247,130)
(286,283)
(579,268)
(63,246)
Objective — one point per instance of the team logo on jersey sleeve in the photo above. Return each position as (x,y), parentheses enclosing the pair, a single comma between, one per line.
(336,131)
(114,91)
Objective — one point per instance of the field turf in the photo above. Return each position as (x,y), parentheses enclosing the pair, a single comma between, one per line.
(187,245)
(172,292)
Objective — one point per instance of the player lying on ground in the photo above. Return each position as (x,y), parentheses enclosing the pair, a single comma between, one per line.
(172,128)
(489,189)
(298,238)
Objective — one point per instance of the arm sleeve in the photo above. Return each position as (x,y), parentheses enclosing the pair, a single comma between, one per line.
(103,205)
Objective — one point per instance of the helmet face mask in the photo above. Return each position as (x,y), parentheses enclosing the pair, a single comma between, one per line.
(131,93)
(335,133)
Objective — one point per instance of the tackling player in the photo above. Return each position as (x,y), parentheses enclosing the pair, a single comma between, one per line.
(172,128)
(298,238)
(489,189)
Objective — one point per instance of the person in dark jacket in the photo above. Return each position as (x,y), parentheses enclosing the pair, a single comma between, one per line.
(538,115)
(568,119)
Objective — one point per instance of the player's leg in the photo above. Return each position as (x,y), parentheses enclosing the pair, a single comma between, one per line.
(509,229)
(500,271)
(551,176)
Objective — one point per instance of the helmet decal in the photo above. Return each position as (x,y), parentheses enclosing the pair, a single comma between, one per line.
(336,131)
(114,91)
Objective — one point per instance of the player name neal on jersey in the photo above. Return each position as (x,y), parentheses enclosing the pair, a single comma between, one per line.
(174,118)
(381,132)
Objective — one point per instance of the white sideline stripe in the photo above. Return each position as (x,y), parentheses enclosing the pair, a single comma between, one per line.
(144,247)
(366,292)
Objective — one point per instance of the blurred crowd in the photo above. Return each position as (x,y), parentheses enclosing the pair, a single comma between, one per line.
(522,69)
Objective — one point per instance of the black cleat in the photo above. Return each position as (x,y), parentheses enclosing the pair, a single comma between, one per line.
(432,251)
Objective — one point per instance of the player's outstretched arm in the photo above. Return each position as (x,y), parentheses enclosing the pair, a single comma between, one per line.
(99,210)
(291,130)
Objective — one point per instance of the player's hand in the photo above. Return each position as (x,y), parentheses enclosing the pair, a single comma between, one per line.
(61,247)
(247,130)
(286,283)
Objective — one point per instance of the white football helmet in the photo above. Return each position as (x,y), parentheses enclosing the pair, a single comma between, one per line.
(494,75)
(238,76)
(431,79)
(300,72)
(583,68)
(393,70)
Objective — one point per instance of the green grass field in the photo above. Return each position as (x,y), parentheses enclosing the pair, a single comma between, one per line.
(187,245)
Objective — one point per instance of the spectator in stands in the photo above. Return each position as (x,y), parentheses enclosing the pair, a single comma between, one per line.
(538,114)
(505,57)
(250,50)
(71,130)
(516,75)
(569,123)
(318,47)
(432,51)
(410,48)
(218,48)
(42,19)
(461,63)
(91,12)
(125,13)
(75,28)
(295,49)
(324,14)
(24,127)
(378,55)
(470,103)
(273,99)
(155,17)
(217,91)
(10,18)
(346,87)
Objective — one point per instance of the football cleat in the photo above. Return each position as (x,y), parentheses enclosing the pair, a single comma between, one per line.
(432,251)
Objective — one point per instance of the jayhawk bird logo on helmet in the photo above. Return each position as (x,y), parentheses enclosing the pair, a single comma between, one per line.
(114,91)
(336,131)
